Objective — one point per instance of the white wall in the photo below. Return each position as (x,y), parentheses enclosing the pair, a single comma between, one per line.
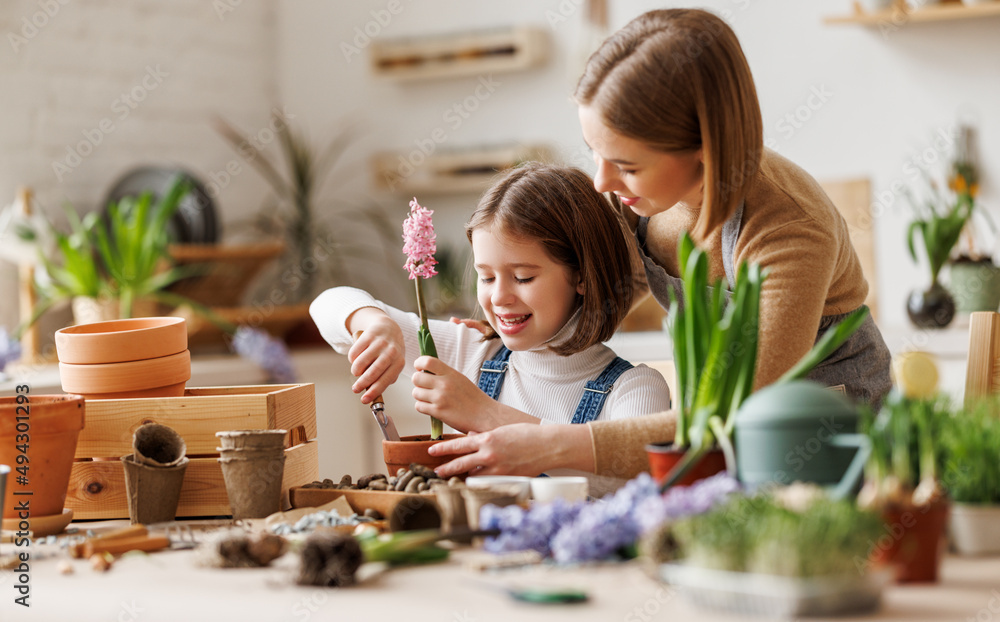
(889,92)
(65,65)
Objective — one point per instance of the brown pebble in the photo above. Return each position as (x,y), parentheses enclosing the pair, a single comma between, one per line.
(403,480)
(101,562)
(423,486)
(400,471)
(423,471)
(328,481)
(365,480)
(373,513)
(414,483)
(379,484)
(346,480)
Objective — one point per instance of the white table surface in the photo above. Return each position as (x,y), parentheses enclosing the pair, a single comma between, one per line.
(168,586)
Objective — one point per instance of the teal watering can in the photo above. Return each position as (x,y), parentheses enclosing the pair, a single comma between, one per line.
(800,431)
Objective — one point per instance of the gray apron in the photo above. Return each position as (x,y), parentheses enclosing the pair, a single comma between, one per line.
(861,364)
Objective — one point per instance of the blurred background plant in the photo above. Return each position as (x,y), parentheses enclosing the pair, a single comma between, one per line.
(113,264)
(318,255)
(970,442)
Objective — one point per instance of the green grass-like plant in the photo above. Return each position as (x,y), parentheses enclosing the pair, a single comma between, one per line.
(715,354)
(970,441)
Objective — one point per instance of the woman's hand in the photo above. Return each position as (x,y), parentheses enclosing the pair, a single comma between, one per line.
(518,449)
(377,357)
(446,394)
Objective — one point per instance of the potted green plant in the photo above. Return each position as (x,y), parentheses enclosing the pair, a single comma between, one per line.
(108,267)
(971,448)
(973,278)
(316,251)
(940,218)
(902,475)
(715,354)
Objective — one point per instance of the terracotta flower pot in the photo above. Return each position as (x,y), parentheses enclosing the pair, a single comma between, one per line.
(413,449)
(663,458)
(118,341)
(53,425)
(160,377)
(913,541)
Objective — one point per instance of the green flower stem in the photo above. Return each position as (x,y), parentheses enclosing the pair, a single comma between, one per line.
(427,348)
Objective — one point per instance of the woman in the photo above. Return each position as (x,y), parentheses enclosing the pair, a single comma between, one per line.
(669,108)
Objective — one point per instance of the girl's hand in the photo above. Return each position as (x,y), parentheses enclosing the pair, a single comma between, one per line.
(479,325)
(448,395)
(378,355)
(518,449)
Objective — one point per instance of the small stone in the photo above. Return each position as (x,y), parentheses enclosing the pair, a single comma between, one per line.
(101,562)
(65,567)
(455,481)
(423,471)
(365,480)
(328,481)
(374,514)
(379,484)
(414,483)
(392,481)
(403,480)
(423,486)
(346,481)
(400,471)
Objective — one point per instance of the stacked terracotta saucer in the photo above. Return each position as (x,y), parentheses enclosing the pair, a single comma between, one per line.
(139,357)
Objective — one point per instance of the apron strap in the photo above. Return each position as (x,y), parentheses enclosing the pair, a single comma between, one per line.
(492,373)
(595,392)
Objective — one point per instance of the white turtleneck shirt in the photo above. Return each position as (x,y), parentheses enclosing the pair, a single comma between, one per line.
(538,382)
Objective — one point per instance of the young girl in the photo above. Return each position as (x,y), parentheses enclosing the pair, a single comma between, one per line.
(553,263)
(669,108)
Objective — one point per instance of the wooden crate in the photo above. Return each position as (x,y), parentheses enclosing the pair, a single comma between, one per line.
(97,488)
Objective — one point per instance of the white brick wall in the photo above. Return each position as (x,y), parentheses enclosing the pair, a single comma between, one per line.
(63,74)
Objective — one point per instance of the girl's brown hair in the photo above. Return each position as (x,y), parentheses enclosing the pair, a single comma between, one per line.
(677,80)
(559,208)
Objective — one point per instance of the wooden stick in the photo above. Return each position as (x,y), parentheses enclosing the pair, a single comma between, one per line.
(30,341)
(124,545)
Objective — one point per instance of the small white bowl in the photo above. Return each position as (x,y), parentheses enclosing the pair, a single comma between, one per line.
(568,488)
(486,481)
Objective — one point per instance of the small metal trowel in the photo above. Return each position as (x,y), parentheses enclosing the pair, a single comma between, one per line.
(384,421)
(378,410)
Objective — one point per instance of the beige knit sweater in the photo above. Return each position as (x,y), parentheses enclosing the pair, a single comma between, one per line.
(791,228)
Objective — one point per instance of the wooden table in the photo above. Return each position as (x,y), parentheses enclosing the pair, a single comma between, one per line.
(168,586)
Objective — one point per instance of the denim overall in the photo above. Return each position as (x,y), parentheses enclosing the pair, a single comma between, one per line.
(861,364)
(595,392)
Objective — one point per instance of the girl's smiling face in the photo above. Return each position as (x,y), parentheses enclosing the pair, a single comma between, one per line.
(526,295)
(646,180)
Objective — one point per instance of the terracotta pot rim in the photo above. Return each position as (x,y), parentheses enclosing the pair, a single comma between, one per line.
(669,448)
(127,375)
(116,341)
(55,416)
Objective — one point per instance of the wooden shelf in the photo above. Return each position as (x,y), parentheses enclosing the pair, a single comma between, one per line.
(454,171)
(461,54)
(900,13)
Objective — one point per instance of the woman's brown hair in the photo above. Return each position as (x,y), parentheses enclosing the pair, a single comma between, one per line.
(677,80)
(558,207)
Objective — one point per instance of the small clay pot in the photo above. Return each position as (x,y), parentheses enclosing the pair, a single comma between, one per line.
(913,541)
(252,439)
(158,445)
(413,450)
(663,458)
(159,377)
(54,424)
(118,341)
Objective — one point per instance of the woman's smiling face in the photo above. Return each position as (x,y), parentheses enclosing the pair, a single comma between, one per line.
(646,180)
(526,295)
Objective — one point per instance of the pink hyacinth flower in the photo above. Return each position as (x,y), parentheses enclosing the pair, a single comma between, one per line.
(419,242)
